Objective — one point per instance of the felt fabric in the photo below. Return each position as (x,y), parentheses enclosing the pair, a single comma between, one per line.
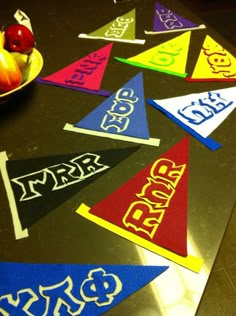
(150,209)
(123,114)
(103,93)
(169,57)
(167,21)
(37,186)
(23,19)
(84,75)
(122,29)
(214,63)
(69,289)
(199,113)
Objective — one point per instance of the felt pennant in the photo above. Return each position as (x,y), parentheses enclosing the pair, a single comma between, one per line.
(69,289)
(166,21)
(151,208)
(169,57)
(214,63)
(84,75)
(36,186)
(122,29)
(23,19)
(199,113)
(121,116)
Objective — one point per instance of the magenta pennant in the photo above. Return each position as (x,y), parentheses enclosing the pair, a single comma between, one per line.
(84,75)
(69,289)
(37,186)
(166,21)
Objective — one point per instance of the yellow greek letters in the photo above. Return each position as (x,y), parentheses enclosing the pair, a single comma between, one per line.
(146,214)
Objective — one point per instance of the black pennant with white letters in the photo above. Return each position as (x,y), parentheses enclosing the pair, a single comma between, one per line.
(36,186)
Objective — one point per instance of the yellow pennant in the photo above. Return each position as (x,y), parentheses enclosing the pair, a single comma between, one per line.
(169,57)
(214,63)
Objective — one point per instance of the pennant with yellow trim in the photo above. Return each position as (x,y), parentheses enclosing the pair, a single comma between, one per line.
(167,21)
(151,208)
(214,63)
(122,29)
(169,57)
(37,186)
(69,289)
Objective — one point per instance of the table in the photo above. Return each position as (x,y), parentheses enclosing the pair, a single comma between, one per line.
(31,125)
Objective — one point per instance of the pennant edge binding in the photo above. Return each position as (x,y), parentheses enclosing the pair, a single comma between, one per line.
(104,93)
(199,27)
(150,141)
(132,63)
(19,232)
(135,41)
(190,262)
(190,79)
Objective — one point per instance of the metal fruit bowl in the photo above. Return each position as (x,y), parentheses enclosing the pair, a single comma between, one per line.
(32,72)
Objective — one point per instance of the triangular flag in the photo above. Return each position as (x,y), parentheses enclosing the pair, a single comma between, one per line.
(84,75)
(122,29)
(151,208)
(121,116)
(199,113)
(69,289)
(169,57)
(23,19)
(214,63)
(167,21)
(36,186)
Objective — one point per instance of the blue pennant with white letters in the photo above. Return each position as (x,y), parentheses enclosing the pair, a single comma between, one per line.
(69,289)
(123,113)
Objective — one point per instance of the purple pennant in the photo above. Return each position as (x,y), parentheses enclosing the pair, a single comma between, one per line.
(166,20)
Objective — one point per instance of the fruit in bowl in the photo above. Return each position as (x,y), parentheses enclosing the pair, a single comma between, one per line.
(10,74)
(18,38)
(20,61)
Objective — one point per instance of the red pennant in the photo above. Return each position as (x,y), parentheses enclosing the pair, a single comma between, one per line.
(153,204)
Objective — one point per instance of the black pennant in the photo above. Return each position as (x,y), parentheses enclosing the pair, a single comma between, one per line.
(41,184)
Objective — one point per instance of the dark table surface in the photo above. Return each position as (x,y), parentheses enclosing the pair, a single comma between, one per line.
(31,125)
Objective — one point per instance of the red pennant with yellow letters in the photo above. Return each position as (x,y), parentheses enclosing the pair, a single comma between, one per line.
(153,204)
(150,209)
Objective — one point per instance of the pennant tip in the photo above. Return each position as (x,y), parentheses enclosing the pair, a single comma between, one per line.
(82,35)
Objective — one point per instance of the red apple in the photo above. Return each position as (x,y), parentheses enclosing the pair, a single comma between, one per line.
(18,38)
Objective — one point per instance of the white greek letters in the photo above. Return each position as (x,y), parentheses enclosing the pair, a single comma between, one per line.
(118,27)
(68,295)
(59,176)
(117,117)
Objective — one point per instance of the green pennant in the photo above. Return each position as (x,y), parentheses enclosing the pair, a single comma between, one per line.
(121,29)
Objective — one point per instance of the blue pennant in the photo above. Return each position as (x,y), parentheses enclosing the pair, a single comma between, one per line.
(69,289)
(123,113)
